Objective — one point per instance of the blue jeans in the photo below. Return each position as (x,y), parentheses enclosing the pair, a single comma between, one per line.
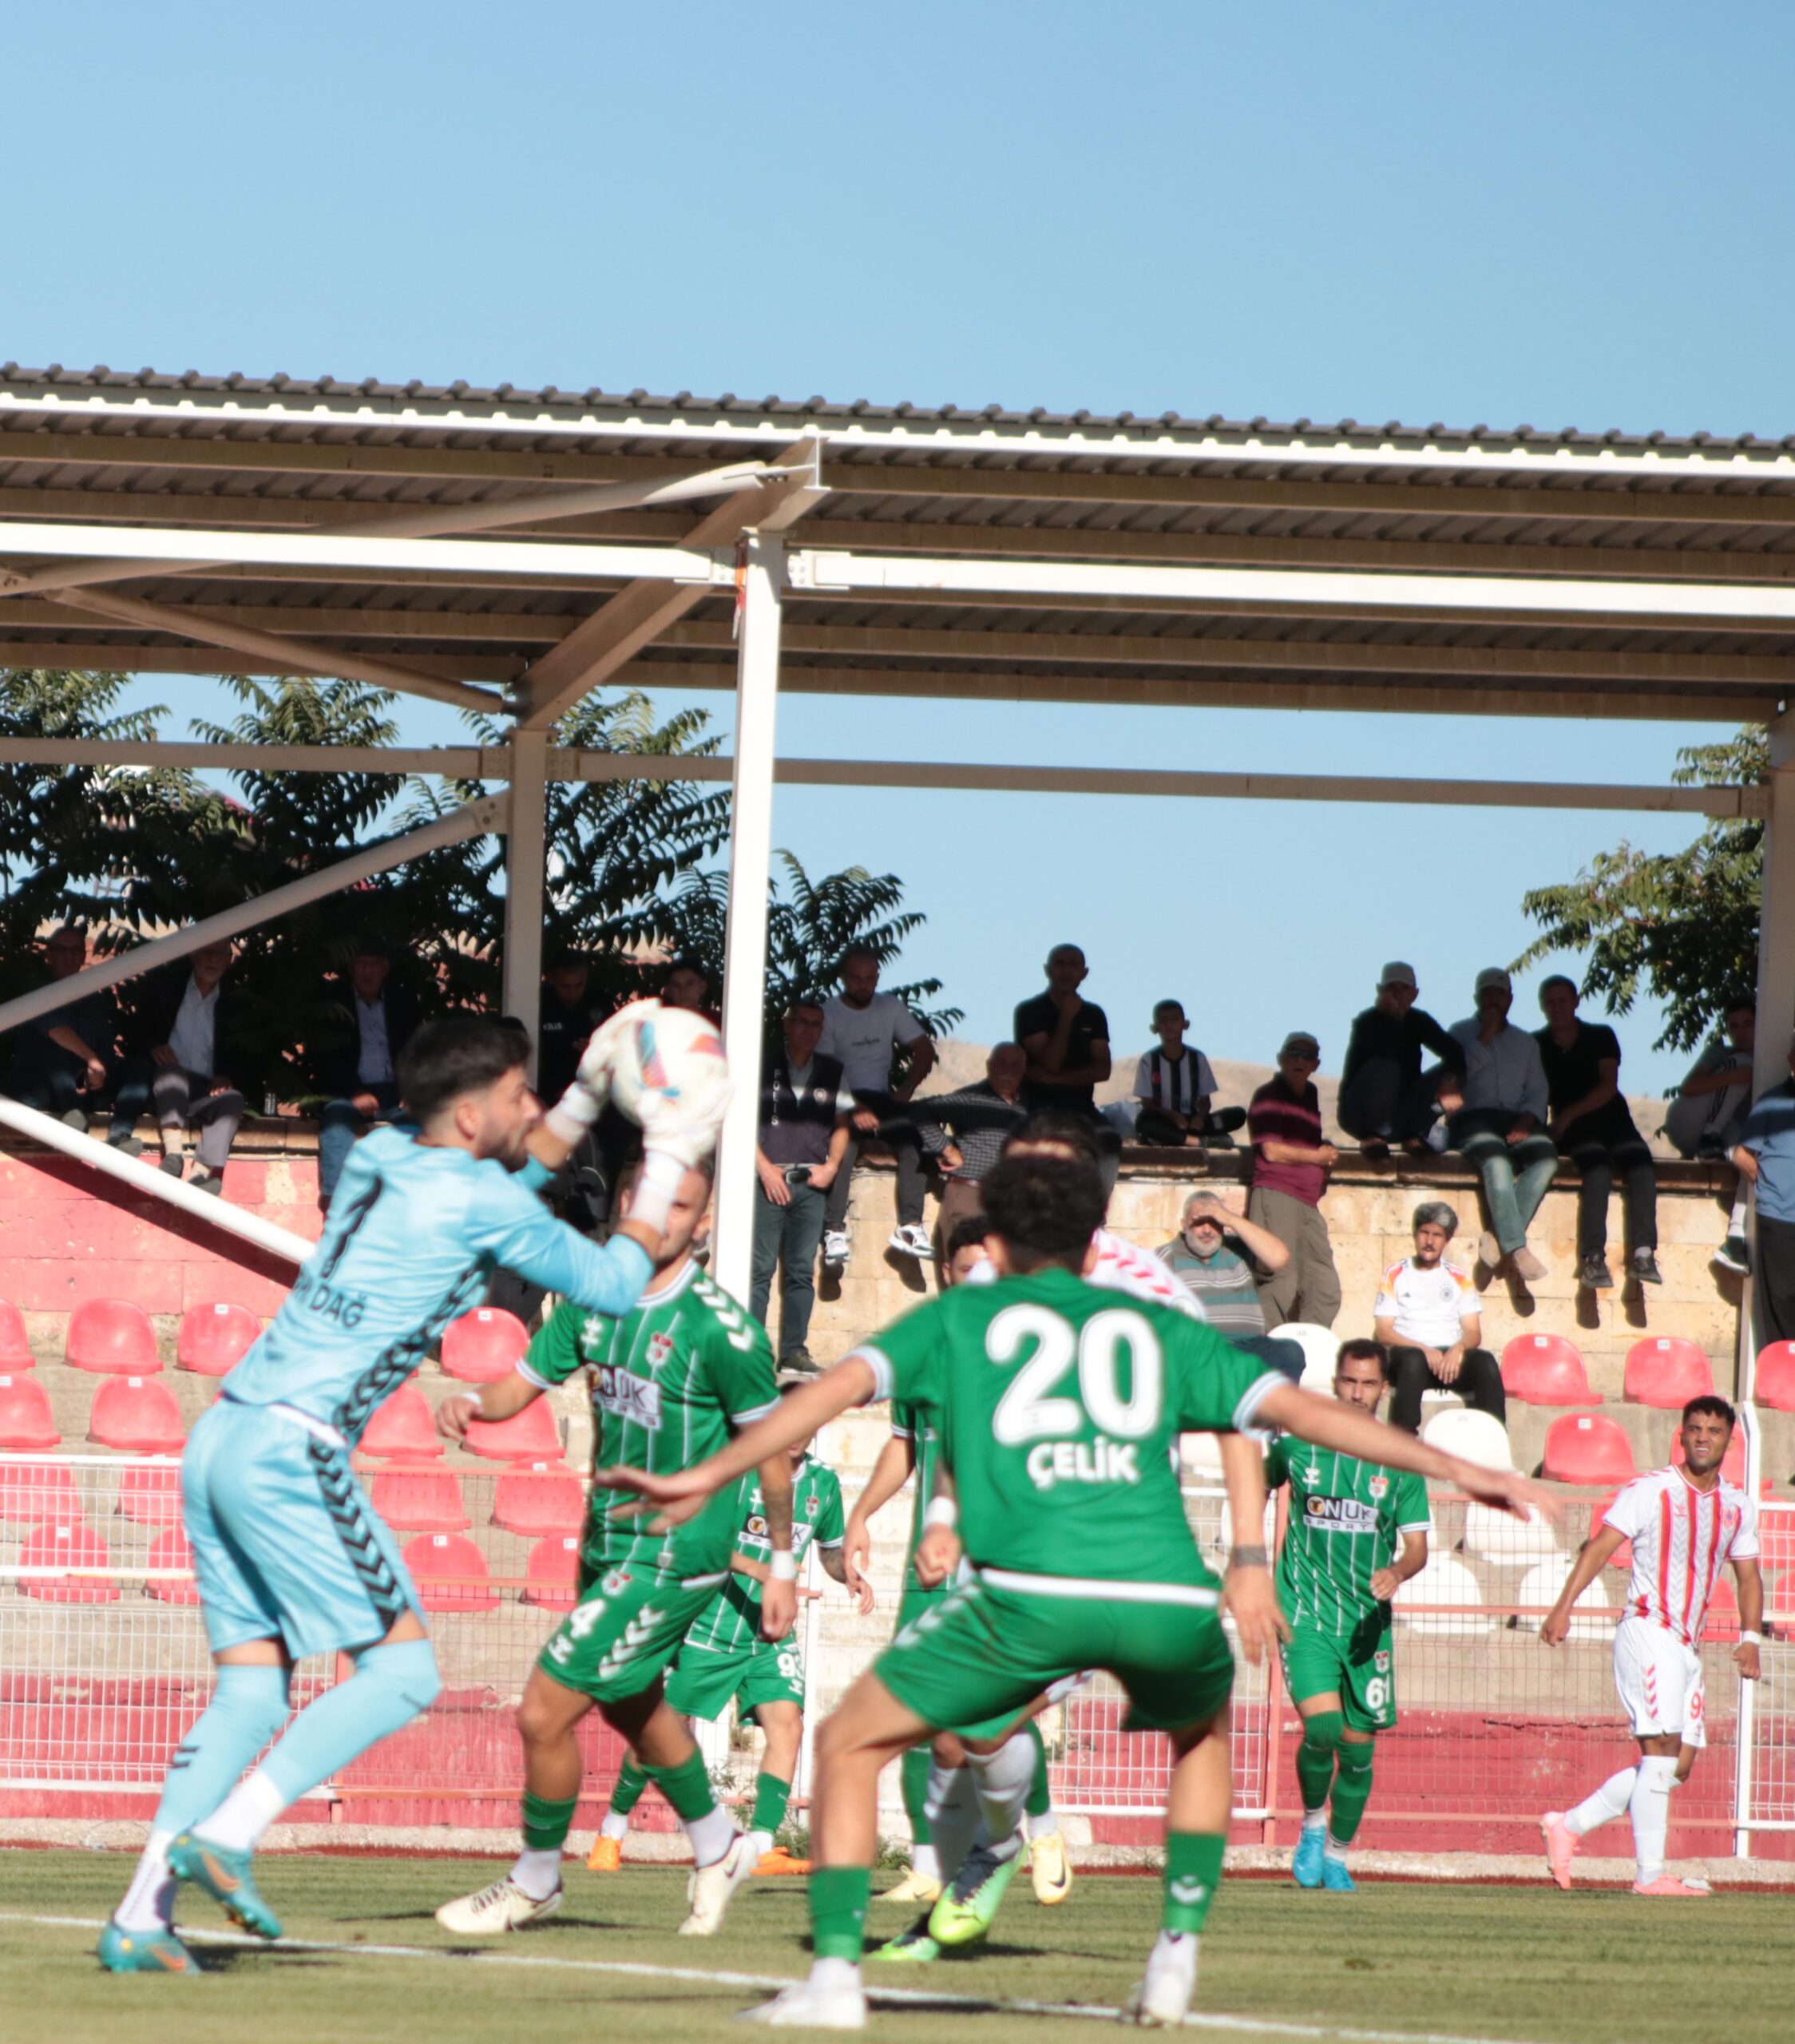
(339,1126)
(1514,1174)
(787,1235)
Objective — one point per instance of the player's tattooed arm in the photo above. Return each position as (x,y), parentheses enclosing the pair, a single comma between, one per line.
(1746,1655)
(1598,1551)
(1248,1592)
(1411,1561)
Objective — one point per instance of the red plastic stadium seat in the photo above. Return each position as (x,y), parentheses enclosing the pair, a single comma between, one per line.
(1731,1463)
(530,1435)
(67,1545)
(170,1549)
(1584,1448)
(1776,1376)
(404,1425)
(33,1493)
(534,1497)
(484,1345)
(149,1494)
(214,1339)
(417,1496)
(25,1420)
(113,1336)
(551,1574)
(138,1414)
(15,1350)
(1622,1555)
(450,1572)
(1545,1369)
(1667,1372)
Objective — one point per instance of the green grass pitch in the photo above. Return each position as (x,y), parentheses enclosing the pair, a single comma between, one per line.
(1451,1963)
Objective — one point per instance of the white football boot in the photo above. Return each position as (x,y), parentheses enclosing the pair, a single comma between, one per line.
(711,1888)
(503,1906)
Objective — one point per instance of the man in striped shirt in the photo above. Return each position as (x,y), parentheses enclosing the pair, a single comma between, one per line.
(1685,1525)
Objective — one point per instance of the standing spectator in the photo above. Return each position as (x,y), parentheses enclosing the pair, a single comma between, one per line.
(1066,1038)
(802,1149)
(67,1062)
(1766,1156)
(1175,1086)
(687,984)
(565,1018)
(964,1132)
(1427,1317)
(1291,1167)
(1707,1118)
(191,1037)
(360,1070)
(1499,1128)
(1591,1125)
(1210,1257)
(1386,1097)
(867,1032)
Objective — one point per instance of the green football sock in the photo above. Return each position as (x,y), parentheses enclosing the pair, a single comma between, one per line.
(838,1899)
(630,1783)
(1315,1756)
(771,1797)
(547,1822)
(1193,1874)
(1041,1797)
(1352,1791)
(686,1787)
(912,1772)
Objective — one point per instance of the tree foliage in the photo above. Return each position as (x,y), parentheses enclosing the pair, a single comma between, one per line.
(1682,925)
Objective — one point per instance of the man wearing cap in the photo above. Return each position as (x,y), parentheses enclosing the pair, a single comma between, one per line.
(1500,1128)
(1384,1095)
(1291,1167)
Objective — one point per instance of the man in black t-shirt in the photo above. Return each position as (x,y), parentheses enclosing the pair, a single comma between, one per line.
(1592,1126)
(1065,1039)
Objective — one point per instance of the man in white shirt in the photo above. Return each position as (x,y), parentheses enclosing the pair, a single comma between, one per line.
(1427,1317)
(865,1031)
(187,1036)
(1501,1126)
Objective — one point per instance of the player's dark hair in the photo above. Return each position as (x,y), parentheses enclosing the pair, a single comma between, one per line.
(1712,1406)
(1071,1132)
(454,1055)
(1363,1349)
(1742,1002)
(969,1233)
(1045,1209)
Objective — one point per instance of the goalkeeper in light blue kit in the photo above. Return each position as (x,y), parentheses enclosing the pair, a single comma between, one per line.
(290,1558)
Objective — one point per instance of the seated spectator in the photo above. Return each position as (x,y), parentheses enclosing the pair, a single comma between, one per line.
(1386,1097)
(964,1133)
(1428,1318)
(359,1066)
(962,1251)
(67,1062)
(190,1037)
(1210,1257)
(801,1149)
(687,984)
(1707,1118)
(1765,1157)
(868,1033)
(1291,1167)
(1175,1086)
(1065,1039)
(1592,1126)
(1499,1128)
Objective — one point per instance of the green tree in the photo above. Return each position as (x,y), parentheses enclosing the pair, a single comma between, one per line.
(1682,925)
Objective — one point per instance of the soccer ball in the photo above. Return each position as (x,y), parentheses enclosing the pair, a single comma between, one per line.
(668,1051)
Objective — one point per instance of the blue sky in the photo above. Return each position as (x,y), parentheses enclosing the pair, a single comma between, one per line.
(1540,214)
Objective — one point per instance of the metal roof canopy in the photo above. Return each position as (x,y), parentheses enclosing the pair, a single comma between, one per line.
(508,551)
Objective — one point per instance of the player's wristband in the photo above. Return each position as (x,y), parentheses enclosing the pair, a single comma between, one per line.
(657,1187)
(1751,1639)
(783,1565)
(568,1119)
(942,1511)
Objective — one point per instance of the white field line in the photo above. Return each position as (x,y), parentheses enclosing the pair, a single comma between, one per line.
(881,1997)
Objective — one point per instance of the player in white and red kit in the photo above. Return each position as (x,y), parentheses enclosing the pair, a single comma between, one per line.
(1685,1526)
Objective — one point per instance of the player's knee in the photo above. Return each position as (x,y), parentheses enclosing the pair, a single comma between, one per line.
(407,1669)
(1321,1731)
(260,1692)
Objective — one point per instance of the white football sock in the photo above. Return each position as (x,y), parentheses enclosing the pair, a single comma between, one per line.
(537,1871)
(1315,1819)
(1045,1825)
(1650,1811)
(615,1826)
(240,1820)
(1609,1801)
(711,1836)
(829,1975)
(926,1862)
(1004,1779)
(148,1903)
(760,1842)
(952,1806)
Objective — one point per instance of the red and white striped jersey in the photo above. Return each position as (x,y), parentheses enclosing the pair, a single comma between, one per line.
(1121,1267)
(1681,1539)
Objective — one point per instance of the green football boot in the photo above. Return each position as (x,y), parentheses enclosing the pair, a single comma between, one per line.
(225,1877)
(963,1914)
(144,1951)
(911,1947)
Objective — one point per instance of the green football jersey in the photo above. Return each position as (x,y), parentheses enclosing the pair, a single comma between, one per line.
(916,1425)
(1345,1516)
(1059,1407)
(671,1381)
(733,1622)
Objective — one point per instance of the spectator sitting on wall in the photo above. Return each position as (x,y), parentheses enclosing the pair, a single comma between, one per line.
(1066,1038)
(1290,1168)
(1592,1126)
(1766,1156)
(67,1063)
(1386,1097)
(1427,1317)
(800,1149)
(189,1039)
(1499,1128)
(1707,1118)
(359,1069)
(1212,1256)
(1175,1086)
(964,1132)
(867,1033)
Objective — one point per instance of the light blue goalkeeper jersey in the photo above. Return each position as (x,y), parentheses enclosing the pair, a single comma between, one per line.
(415,1232)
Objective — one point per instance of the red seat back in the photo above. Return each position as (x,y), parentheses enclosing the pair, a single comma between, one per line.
(450,1572)
(403,1425)
(33,1493)
(551,1574)
(214,1338)
(417,1495)
(538,1498)
(530,1435)
(67,1545)
(1585,1447)
(149,1494)
(1622,1555)
(167,1551)
(138,1414)
(1731,1463)
(1546,1369)
(113,1336)
(15,1350)
(1667,1371)
(25,1417)
(1775,1384)
(484,1345)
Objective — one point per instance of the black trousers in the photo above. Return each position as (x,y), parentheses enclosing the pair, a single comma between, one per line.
(1774,1276)
(1599,1161)
(1478,1383)
(899,1135)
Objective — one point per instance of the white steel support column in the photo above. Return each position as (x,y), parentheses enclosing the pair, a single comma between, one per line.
(526,857)
(751,858)
(1776,923)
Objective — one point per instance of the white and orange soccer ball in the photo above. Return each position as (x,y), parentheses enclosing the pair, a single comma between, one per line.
(669,1051)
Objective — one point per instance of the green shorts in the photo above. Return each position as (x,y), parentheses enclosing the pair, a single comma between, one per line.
(703,1681)
(981,1654)
(1358,1666)
(627,1625)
